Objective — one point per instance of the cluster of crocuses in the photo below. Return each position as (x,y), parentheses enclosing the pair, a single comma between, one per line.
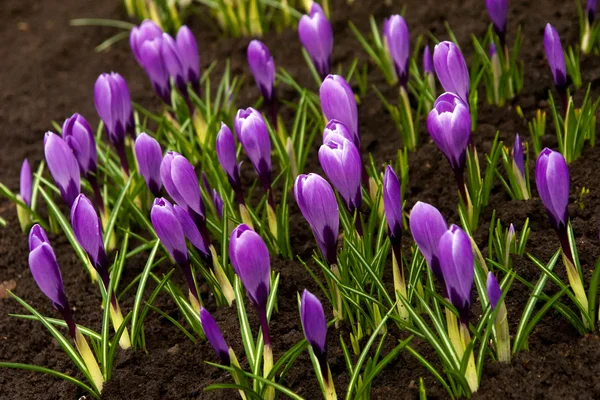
(165,59)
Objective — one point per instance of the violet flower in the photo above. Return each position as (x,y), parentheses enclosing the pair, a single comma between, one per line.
(392,203)
(335,127)
(79,136)
(315,327)
(451,70)
(63,166)
(191,231)
(556,59)
(113,104)
(173,62)
(46,273)
(187,48)
(319,207)
(397,39)
(493,290)
(458,268)
(552,180)
(262,67)
(26,183)
(226,153)
(427,61)
(498,11)
(148,30)
(316,35)
(427,226)
(338,102)
(152,61)
(253,133)
(149,158)
(341,162)
(214,336)
(518,156)
(181,182)
(591,10)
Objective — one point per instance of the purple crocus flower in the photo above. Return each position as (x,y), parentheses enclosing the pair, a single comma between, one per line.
(493,290)
(556,57)
(148,30)
(335,127)
(458,268)
(79,136)
(152,62)
(250,259)
(498,11)
(591,10)
(552,180)
(451,69)
(63,166)
(253,133)
(518,156)
(262,67)
(338,102)
(181,182)
(113,104)
(149,157)
(428,61)
(191,231)
(214,336)
(189,56)
(169,230)
(316,36)
(88,231)
(449,124)
(427,226)
(397,39)
(46,273)
(173,62)
(341,162)
(318,205)
(226,152)
(315,326)
(392,203)
(26,183)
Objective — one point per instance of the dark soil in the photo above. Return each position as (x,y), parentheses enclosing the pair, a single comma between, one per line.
(49,72)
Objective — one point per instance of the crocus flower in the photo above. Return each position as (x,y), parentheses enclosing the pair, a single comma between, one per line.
(451,69)
(493,290)
(189,56)
(148,30)
(427,226)
(169,230)
(449,124)
(552,180)
(63,166)
(250,259)
(319,207)
(226,152)
(26,183)
(79,136)
(314,325)
(518,157)
(458,268)
(253,133)
(591,10)
(181,183)
(152,61)
(335,127)
(316,36)
(427,61)
(341,162)
(88,231)
(191,231)
(214,336)
(397,39)
(338,102)
(498,10)
(556,57)
(46,273)
(262,67)
(149,157)
(172,61)
(392,203)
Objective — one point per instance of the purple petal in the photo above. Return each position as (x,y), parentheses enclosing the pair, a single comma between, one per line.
(214,336)
(149,157)
(314,323)
(88,230)
(26,183)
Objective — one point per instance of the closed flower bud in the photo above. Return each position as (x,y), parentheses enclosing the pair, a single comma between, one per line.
(427,226)
(518,156)
(181,182)
(113,104)
(314,325)
(556,56)
(458,268)
(449,124)
(214,336)
(88,231)
(319,207)
(397,39)
(250,259)
(189,56)
(338,102)
(262,67)
(552,180)
(316,36)
(428,61)
(591,10)
(451,69)
(79,136)
(152,62)
(498,11)
(341,162)
(191,231)
(493,290)
(169,230)
(392,203)
(26,183)
(147,31)
(335,127)
(63,166)
(149,157)
(173,62)
(226,152)
(253,133)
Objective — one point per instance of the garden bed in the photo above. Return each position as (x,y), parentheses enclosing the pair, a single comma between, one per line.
(50,69)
